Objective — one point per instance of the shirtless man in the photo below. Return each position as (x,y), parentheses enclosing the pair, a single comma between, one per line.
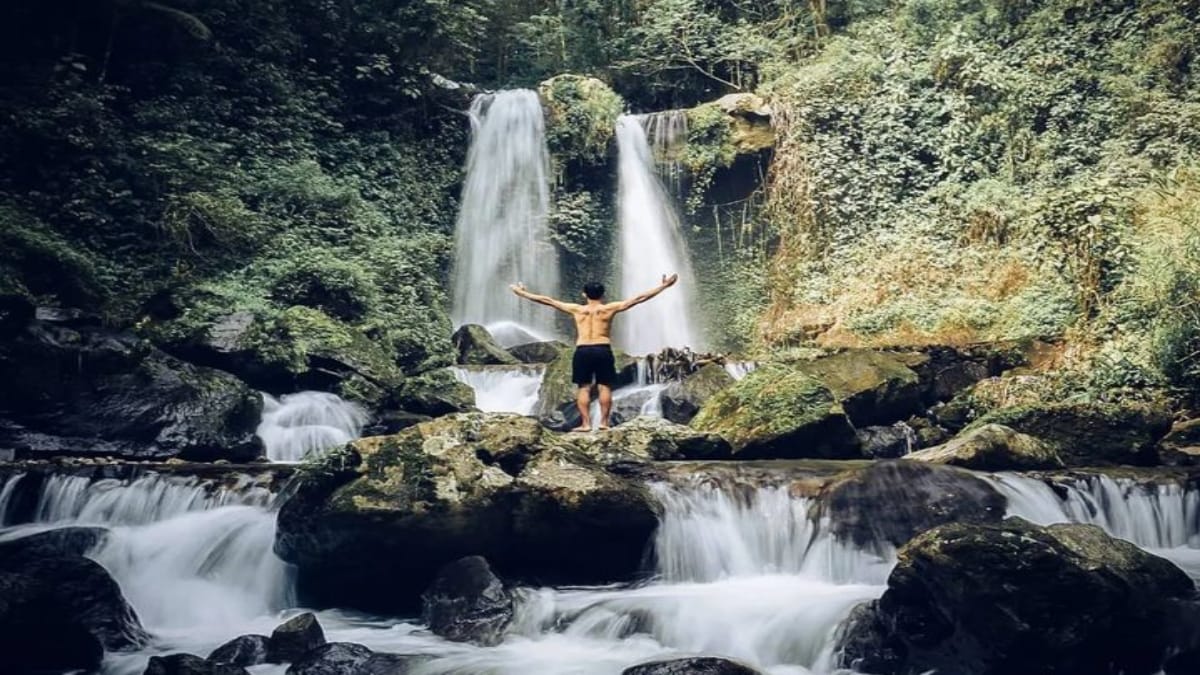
(593,344)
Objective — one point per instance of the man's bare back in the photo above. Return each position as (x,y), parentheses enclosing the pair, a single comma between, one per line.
(593,359)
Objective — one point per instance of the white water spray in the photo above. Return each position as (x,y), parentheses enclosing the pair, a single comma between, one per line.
(512,389)
(295,426)
(651,245)
(667,132)
(501,236)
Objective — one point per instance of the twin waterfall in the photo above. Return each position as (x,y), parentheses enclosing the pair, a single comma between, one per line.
(502,235)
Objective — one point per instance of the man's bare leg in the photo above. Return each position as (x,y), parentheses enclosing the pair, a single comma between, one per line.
(605,404)
(583,399)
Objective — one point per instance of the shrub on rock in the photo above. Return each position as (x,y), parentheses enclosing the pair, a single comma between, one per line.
(779,412)
(1011,597)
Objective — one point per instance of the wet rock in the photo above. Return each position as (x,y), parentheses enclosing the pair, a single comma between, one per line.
(61,612)
(335,658)
(697,665)
(393,421)
(538,352)
(434,393)
(681,401)
(294,638)
(779,412)
(392,664)
(891,501)
(992,447)
(189,664)
(887,442)
(648,438)
(64,541)
(467,603)
(750,122)
(473,345)
(874,388)
(244,650)
(495,485)
(556,397)
(89,391)
(1090,434)
(1012,597)
(1184,439)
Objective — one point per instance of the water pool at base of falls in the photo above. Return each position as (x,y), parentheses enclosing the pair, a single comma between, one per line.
(745,574)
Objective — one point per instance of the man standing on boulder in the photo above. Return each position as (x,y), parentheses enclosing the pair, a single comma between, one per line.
(593,358)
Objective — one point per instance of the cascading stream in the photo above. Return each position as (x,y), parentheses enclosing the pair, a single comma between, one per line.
(502,236)
(512,389)
(651,245)
(295,426)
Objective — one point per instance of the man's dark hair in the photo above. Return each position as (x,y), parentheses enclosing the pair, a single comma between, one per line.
(594,290)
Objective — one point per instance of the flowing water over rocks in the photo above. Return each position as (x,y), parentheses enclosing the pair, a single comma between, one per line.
(295,426)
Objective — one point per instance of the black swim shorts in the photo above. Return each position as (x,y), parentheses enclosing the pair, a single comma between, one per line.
(593,361)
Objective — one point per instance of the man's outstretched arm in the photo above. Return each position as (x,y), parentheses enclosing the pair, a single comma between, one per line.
(667,282)
(520,290)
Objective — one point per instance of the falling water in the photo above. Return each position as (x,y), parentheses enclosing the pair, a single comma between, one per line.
(502,236)
(651,245)
(667,132)
(512,389)
(297,425)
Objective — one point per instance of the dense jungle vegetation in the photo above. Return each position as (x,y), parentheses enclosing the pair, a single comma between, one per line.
(945,170)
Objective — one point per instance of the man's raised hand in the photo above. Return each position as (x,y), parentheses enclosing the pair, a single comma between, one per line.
(669,280)
(517,288)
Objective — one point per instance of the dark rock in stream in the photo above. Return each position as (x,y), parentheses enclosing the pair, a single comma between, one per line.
(335,658)
(1012,597)
(539,352)
(189,664)
(699,665)
(473,345)
(89,391)
(294,638)
(60,612)
(467,603)
(889,502)
(64,541)
(244,650)
(682,400)
(888,442)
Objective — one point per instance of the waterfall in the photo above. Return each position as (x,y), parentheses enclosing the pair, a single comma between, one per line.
(667,132)
(651,245)
(143,500)
(502,236)
(297,425)
(511,389)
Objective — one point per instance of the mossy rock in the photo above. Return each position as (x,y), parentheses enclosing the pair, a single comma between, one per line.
(779,412)
(475,346)
(581,116)
(1089,434)
(647,438)
(436,392)
(873,387)
(992,447)
(370,525)
(681,401)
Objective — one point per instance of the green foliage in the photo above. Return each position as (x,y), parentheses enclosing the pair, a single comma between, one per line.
(709,147)
(581,115)
(770,401)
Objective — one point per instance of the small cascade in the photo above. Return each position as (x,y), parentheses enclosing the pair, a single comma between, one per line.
(296,425)
(6,495)
(509,334)
(667,132)
(502,236)
(739,369)
(651,245)
(512,389)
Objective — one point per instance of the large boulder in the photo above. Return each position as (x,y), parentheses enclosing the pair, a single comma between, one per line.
(873,387)
(779,412)
(889,502)
(436,392)
(1011,597)
(59,542)
(538,352)
(81,390)
(474,346)
(1089,434)
(886,442)
(467,603)
(61,612)
(495,485)
(648,438)
(992,447)
(556,397)
(681,401)
(294,638)
(696,665)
